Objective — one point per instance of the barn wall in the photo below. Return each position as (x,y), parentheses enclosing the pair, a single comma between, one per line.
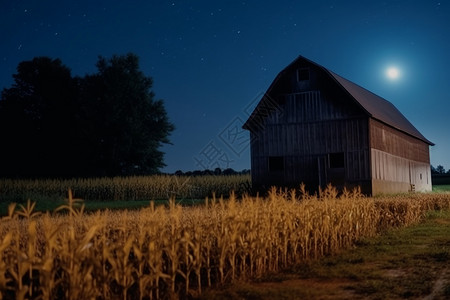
(394,174)
(304,131)
(390,140)
(400,163)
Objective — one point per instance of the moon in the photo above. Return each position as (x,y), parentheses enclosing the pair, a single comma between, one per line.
(393,73)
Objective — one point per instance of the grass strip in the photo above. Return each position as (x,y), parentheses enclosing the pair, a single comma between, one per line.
(52,203)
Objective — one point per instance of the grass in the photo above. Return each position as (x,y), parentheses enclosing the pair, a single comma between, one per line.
(441,188)
(411,262)
(44,204)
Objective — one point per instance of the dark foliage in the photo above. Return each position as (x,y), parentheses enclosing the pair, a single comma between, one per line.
(439,170)
(104,124)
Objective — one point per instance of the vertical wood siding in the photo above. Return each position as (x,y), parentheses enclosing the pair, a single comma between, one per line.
(400,163)
(390,140)
(393,174)
(305,130)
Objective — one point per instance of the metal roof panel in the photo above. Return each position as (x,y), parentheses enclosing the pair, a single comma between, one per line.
(378,107)
(375,106)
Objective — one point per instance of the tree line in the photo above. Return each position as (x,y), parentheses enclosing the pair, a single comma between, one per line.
(215,172)
(439,170)
(53,124)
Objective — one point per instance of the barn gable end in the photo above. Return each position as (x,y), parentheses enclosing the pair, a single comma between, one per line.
(316,127)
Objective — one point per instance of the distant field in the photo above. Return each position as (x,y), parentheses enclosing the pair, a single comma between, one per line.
(120,192)
(124,188)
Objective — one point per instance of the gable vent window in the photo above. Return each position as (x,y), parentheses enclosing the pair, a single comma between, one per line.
(337,160)
(303,74)
(276,163)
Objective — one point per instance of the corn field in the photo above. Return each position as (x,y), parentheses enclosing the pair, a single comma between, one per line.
(170,252)
(126,188)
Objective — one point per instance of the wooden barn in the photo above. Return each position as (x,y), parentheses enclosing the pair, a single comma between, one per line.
(316,127)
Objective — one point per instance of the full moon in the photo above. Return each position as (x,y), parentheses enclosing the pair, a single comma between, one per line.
(393,73)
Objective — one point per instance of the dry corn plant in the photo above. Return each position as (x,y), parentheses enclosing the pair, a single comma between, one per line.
(172,251)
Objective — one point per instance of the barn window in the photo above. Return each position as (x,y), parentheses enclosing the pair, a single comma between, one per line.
(276,163)
(336,160)
(302,74)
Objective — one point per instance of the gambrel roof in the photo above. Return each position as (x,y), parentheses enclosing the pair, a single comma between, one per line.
(375,106)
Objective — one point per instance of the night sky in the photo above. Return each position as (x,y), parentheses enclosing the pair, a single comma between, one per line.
(212,60)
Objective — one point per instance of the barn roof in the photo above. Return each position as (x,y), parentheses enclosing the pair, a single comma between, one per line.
(375,106)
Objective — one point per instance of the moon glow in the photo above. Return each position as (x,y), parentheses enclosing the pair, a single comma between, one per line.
(392,73)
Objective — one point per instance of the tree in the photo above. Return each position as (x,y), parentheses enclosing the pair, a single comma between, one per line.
(107,123)
(217,171)
(126,126)
(433,170)
(440,169)
(36,119)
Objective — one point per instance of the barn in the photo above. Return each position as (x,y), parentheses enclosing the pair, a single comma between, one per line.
(316,127)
